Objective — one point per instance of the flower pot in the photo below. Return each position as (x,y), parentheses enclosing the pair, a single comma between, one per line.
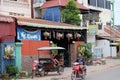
(23,74)
(5,75)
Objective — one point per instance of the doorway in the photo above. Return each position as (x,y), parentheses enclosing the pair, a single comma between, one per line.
(66,44)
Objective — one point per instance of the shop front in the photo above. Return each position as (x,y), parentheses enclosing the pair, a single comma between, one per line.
(34,33)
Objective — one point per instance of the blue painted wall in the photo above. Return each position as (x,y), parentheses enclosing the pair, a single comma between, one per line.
(0,60)
(52,14)
(4,62)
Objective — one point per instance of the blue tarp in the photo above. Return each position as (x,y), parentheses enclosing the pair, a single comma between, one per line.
(23,34)
(3,48)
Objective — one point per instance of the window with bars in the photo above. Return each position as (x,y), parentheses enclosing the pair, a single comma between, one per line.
(108,5)
(39,1)
(92,2)
(100,3)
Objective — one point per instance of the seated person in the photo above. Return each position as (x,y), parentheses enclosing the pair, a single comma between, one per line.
(81,60)
(56,62)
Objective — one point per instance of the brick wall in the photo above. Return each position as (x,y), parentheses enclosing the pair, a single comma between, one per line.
(74,50)
(29,49)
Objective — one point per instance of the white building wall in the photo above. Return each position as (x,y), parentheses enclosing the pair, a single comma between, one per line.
(105,45)
(15,8)
(92,40)
(114,51)
(105,15)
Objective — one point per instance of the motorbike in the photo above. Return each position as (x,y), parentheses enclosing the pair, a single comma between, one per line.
(77,72)
(37,69)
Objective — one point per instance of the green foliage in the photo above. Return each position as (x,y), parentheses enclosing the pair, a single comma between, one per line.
(71,13)
(11,70)
(85,49)
(54,52)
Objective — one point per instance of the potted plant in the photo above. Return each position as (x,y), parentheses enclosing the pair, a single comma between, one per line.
(11,70)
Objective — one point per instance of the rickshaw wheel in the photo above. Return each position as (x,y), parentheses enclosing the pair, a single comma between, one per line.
(60,70)
(42,73)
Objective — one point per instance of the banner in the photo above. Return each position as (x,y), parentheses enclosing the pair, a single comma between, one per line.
(28,35)
(93,29)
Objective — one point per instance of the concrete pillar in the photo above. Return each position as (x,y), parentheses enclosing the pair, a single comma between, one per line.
(18,60)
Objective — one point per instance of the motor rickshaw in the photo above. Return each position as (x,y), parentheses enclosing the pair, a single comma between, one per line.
(47,64)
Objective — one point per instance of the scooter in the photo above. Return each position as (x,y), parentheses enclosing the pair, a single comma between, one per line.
(37,69)
(77,72)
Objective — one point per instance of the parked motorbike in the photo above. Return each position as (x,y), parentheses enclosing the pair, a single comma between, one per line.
(37,69)
(77,72)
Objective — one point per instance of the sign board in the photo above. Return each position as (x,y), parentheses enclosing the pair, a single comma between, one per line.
(23,34)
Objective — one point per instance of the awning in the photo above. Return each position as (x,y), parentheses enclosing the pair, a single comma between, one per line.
(47,24)
(110,38)
(115,44)
(105,34)
(6,19)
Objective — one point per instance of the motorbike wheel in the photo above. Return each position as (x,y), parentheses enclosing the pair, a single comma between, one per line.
(83,76)
(60,70)
(33,74)
(73,76)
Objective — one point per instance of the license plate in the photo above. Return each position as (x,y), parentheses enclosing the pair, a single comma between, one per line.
(40,69)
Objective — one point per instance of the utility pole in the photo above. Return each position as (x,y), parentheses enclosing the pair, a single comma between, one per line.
(112,24)
(112,12)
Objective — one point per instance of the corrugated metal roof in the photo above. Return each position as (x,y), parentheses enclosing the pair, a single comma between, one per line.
(53,3)
(110,33)
(46,24)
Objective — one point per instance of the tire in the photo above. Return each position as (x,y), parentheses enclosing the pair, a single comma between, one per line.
(42,73)
(33,74)
(60,70)
(73,76)
(83,76)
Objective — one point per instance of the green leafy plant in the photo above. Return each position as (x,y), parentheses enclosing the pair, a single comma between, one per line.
(85,49)
(11,70)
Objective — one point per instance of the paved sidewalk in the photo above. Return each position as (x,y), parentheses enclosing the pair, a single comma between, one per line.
(110,63)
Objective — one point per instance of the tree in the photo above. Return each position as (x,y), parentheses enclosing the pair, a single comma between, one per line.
(71,13)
